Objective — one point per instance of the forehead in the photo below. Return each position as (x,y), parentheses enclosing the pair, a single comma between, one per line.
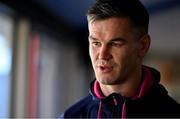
(112,27)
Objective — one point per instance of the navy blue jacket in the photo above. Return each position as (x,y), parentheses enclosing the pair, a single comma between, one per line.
(153,102)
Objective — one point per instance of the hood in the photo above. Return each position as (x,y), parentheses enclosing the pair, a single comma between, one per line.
(150,77)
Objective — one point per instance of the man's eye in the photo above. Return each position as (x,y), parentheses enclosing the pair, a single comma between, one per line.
(96,44)
(116,43)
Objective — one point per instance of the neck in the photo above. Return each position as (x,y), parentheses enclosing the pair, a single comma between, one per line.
(127,89)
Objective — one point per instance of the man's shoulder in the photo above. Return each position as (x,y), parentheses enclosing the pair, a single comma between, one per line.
(82,103)
(79,108)
(159,93)
(162,102)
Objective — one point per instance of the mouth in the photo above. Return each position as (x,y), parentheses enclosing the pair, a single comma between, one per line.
(105,69)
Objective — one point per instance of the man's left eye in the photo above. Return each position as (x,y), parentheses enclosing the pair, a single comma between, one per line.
(116,43)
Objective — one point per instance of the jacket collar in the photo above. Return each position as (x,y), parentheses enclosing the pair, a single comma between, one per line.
(150,77)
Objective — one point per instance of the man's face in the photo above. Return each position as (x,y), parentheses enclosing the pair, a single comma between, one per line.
(114,51)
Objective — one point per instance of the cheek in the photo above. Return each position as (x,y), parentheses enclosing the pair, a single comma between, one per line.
(125,56)
(120,55)
(133,57)
(92,54)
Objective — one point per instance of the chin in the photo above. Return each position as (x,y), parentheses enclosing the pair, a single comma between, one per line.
(107,81)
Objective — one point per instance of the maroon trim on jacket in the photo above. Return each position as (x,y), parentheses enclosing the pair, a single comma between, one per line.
(145,86)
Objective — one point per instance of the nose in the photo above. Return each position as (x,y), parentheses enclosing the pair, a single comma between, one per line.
(105,52)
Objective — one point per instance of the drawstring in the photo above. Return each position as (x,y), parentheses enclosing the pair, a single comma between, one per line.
(115,101)
(124,110)
(100,110)
(123,115)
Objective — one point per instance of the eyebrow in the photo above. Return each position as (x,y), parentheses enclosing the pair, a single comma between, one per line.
(118,39)
(92,38)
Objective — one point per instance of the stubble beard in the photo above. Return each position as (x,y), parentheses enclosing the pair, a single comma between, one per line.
(118,78)
(112,81)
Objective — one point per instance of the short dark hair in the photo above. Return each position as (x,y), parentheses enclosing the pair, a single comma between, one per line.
(132,9)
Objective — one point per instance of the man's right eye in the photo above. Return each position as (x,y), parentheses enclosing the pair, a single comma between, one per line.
(96,44)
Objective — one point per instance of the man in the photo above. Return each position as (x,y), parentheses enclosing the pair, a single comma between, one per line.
(123,87)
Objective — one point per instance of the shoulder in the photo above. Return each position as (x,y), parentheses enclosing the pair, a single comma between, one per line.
(163,103)
(160,94)
(80,108)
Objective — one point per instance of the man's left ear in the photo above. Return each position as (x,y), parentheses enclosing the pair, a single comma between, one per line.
(145,42)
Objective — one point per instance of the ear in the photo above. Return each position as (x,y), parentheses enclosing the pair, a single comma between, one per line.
(144,45)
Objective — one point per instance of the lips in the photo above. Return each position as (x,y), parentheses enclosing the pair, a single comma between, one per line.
(105,69)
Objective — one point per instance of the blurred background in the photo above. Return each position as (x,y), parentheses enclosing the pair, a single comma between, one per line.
(44,61)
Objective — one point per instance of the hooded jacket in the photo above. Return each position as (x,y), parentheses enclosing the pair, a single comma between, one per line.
(151,100)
